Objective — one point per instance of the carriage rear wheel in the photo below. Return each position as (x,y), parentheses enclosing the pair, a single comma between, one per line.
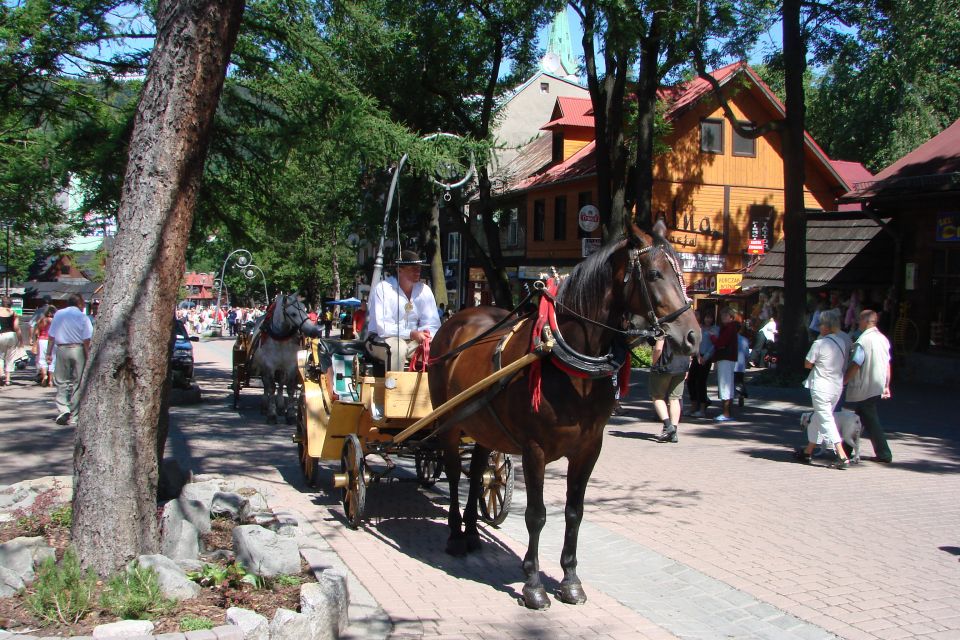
(497,493)
(308,464)
(355,493)
(429,465)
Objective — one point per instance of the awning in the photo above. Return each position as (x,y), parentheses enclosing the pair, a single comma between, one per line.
(844,249)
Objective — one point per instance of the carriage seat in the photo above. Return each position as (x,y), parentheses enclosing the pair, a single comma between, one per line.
(343,347)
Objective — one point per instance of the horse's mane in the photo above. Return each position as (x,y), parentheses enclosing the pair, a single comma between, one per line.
(581,290)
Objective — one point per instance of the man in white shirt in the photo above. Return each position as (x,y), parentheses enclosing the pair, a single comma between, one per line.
(402,312)
(868,380)
(70,333)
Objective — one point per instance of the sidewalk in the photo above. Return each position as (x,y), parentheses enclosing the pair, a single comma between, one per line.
(718,536)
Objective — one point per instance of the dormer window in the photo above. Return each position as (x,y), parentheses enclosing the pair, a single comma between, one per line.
(557,145)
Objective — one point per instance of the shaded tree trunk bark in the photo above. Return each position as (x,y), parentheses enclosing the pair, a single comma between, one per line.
(793,331)
(115,459)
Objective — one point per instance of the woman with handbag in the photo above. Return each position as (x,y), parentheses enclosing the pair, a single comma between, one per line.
(9,337)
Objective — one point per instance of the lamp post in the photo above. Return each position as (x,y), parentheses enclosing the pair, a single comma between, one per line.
(243,259)
(250,273)
(6,263)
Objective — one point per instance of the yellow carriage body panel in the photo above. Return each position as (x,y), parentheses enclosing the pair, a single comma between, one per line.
(401,395)
(328,422)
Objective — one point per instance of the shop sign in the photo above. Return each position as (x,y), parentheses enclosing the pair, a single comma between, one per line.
(756,247)
(703,262)
(589,218)
(727,283)
(948,227)
(477,275)
(706,284)
(590,246)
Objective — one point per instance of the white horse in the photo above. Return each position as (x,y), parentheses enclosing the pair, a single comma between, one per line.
(276,342)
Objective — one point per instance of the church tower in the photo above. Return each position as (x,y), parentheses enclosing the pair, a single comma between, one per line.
(559,60)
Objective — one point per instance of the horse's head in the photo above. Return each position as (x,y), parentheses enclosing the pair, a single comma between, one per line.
(653,289)
(289,315)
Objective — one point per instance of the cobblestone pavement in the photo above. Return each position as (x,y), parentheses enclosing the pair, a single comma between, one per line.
(719,536)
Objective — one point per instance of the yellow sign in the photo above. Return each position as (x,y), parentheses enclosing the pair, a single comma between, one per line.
(728,282)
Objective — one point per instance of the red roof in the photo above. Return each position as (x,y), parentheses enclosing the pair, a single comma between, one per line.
(852,173)
(571,112)
(192,279)
(929,167)
(579,112)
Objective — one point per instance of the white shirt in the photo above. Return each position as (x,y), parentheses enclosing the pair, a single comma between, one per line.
(769,330)
(872,354)
(392,314)
(70,326)
(829,361)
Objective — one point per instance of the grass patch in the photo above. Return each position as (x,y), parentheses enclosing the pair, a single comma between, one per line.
(135,594)
(640,356)
(62,593)
(287,581)
(195,623)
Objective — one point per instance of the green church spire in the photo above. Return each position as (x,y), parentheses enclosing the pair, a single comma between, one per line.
(559,59)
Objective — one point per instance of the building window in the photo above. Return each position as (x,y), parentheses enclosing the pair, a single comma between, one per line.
(557,145)
(453,246)
(544,87)
(743,146)
(513,228)
(560,218)
(583,199)
(711,136)
(539,215)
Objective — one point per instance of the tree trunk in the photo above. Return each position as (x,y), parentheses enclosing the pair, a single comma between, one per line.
(435,255)
(335,267)
(647,110)
(493,268)
(115,460)
(793,332)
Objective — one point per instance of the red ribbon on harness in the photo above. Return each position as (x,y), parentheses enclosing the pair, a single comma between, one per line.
(547,314)
(421,357)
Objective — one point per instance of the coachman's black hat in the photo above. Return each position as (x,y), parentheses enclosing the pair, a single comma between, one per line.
(409,258)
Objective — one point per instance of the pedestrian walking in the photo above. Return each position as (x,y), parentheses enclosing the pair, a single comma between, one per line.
(667,374)
(70,334)
(10,340)
(41,338)
(725,355)
(700,366)
(826,360)
(868,381)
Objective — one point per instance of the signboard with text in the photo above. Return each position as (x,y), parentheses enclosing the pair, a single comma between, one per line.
(589,218)
(756,247)
(948,227)
(590,246)
(728,282)
(703,262)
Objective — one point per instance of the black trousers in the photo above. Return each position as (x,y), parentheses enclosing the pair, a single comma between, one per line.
(697,381)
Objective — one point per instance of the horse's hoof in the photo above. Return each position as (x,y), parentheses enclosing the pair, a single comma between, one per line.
(473,543)
(457,547)
(572,593)
(535,598)
(271,419)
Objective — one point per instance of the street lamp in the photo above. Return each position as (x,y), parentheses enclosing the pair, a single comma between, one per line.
(243,259)
(6,264)
(250,273)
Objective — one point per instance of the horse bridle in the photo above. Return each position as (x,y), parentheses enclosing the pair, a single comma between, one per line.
(636,271)
(293,319)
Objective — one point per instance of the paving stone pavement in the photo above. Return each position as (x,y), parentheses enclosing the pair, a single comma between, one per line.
(719,536)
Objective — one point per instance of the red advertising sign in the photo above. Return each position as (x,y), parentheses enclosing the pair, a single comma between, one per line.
(755,248)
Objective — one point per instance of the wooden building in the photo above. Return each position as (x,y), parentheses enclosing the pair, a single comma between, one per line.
(920,193)
(715,189)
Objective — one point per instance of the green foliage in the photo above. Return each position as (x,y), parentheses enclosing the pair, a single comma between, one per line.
(62,517)
(64,592)
(640,356)
(42,516)
(233,575)
(287,580)
(135,594)
(195,623)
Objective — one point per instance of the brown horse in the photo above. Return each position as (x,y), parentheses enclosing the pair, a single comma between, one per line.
(634,282)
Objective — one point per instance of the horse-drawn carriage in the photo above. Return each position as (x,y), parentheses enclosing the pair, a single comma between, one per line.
(347,412)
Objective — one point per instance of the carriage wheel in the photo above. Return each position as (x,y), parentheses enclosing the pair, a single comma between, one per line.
(429,465)
(308,464)
(497,493)
(355,493)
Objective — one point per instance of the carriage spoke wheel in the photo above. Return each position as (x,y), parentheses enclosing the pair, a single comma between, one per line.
(497,492)
(355,493)
(308,464)
(429,467)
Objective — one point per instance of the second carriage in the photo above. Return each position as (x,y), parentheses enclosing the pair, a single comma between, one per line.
(350,410)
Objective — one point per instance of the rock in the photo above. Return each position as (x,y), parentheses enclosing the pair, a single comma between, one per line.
(228,632)
(229,504)
(172,480)
(190,565)
(285,525)
(173,580)
(21,555)
(265,553)
(224,555)
(10,583)
(179,539)
(253,625)
(335,582)
(290,625)
(325,606)
(257,502)
(123,629)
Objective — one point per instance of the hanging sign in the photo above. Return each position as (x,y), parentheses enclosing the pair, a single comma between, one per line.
(948,227)
(589,218)
(727,283)
(756,247)
(590,246)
